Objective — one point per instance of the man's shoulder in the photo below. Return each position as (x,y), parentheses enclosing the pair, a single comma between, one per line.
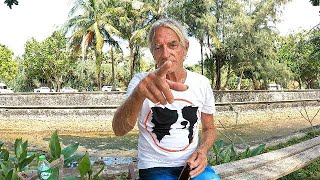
(197,76)
(141,75)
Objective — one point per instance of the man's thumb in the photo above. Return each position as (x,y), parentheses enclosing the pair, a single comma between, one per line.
(177,86)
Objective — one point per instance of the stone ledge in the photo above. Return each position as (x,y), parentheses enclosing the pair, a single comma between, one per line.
(274,164)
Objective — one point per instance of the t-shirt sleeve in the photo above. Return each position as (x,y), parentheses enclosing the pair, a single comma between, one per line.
(134,82)
(209,102)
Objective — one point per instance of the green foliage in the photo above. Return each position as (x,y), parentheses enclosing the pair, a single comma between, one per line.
(11,165)
(47,62)
(68,152)
(236,37)
(20,149)
(86,169)
(4,154)
(225,154)
(8,67)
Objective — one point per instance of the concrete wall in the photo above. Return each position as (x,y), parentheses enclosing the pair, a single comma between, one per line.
(114,99)
(93,112)
(257,96)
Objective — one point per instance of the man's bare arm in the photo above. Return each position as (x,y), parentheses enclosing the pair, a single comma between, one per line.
(209,133)
(198,160)
(126,115)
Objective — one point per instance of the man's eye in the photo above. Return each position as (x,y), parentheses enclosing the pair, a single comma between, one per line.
(157,48)
(173,46)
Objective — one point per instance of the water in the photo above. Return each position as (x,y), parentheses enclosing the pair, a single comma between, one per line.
(127,142)
(241,135)
(124,143)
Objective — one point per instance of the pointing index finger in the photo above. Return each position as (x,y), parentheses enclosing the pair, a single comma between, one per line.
(163,70)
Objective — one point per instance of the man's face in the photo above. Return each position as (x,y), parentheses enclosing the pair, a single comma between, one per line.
(167,47)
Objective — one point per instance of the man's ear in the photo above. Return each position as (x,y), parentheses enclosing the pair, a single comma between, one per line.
(187,45)
(186,49)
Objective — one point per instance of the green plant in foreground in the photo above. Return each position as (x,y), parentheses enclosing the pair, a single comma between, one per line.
(10,166)
(84,165)
(67,152)
(225,154)
(86,170)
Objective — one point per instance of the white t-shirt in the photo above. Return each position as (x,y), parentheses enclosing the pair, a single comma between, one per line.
(168,135)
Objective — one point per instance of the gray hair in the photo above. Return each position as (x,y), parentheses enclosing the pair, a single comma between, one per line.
(173,25)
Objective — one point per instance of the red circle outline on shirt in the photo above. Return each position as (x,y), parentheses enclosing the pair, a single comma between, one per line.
(155,141)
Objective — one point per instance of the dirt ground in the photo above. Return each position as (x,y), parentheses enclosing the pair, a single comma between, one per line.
(251,127)
(244,128)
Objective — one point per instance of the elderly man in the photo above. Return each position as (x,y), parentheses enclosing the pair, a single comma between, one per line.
(169,104)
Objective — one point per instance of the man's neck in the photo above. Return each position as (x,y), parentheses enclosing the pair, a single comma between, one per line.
(178,76)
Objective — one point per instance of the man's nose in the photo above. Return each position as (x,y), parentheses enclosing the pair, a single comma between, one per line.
(165,52)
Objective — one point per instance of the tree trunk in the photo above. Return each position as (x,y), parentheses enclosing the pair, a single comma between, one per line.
(112,68)
(98,69)
(239,80)
(228,76)
(131,62)
(202,63)
(218,71)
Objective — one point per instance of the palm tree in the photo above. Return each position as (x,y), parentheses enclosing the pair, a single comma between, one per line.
(135,22)
(89,18)
(113,43)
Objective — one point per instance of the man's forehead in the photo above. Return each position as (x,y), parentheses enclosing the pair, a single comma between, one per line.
(164,33)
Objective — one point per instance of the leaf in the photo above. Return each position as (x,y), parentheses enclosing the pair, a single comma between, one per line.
(55,172)
(84,165)
(234,155)
(68,151)
(26,161)
(258,150)
(14,175)
(96,176)
(246,153)
(226,154)
(18,147)
(55,148)
(1,144)
(73,158)
(4,154)
(4,168)
(9,175)
(219,144)
(24,152)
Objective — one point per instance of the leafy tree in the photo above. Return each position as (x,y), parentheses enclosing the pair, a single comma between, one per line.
(311,66)
(8,67)
(251,42)
(46,62)
(198,18)
(90,21)
(134,24)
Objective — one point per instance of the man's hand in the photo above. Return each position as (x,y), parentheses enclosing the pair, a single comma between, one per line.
(157,88)
(197,162)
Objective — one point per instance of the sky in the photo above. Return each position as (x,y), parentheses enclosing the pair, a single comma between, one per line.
(39,18)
